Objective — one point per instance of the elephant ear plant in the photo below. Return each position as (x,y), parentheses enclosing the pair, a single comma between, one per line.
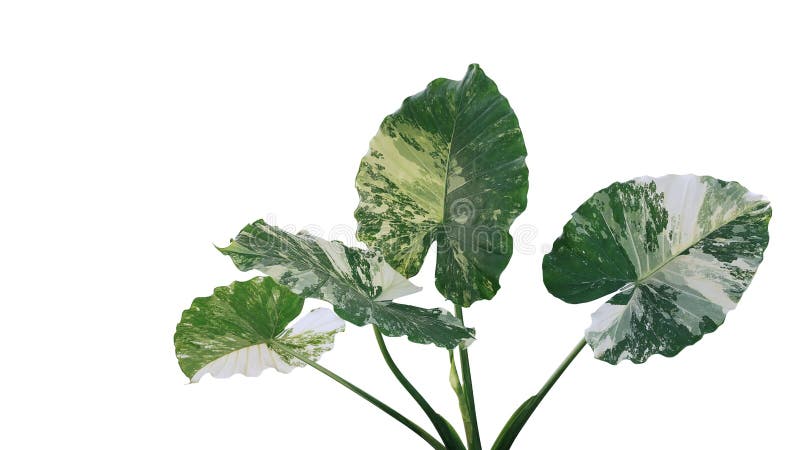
(672,255)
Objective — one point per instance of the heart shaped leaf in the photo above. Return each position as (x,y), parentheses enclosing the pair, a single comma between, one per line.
(679,251)
(448,166)
(359,284)
(242,328)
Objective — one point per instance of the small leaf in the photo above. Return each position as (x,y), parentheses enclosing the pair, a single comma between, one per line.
(677,251)
(359,284)
(449,166)
(233,331)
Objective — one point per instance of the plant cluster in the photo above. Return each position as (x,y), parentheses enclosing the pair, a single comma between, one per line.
(672,255)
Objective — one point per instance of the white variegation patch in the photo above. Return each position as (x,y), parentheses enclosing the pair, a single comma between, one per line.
(249,361)
(317,329)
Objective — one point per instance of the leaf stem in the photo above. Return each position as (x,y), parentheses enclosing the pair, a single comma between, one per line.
(455,383)
(524,412)
(361,393)
(443,428)
(471,420)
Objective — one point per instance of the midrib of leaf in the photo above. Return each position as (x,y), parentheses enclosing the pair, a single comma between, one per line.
(450,150)
(644,278)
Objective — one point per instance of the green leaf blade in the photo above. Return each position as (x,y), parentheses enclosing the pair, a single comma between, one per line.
(679,251)
(359,284)
(448,166)
(233,331)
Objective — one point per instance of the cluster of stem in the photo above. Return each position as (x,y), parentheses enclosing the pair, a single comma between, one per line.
(461,383)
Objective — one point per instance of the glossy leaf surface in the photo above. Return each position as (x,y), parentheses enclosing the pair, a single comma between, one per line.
(448,166)
(359,284)
(676,251)
(240,327)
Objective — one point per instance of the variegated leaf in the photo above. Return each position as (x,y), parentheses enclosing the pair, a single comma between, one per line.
(679,251)
(448,166)
(242,328)
(359,284)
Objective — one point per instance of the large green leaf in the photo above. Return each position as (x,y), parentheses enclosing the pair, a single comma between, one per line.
(359,284)
(242,328)
(679,251)
(448,166)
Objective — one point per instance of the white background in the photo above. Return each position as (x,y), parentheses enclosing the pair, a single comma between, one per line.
(133,135)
